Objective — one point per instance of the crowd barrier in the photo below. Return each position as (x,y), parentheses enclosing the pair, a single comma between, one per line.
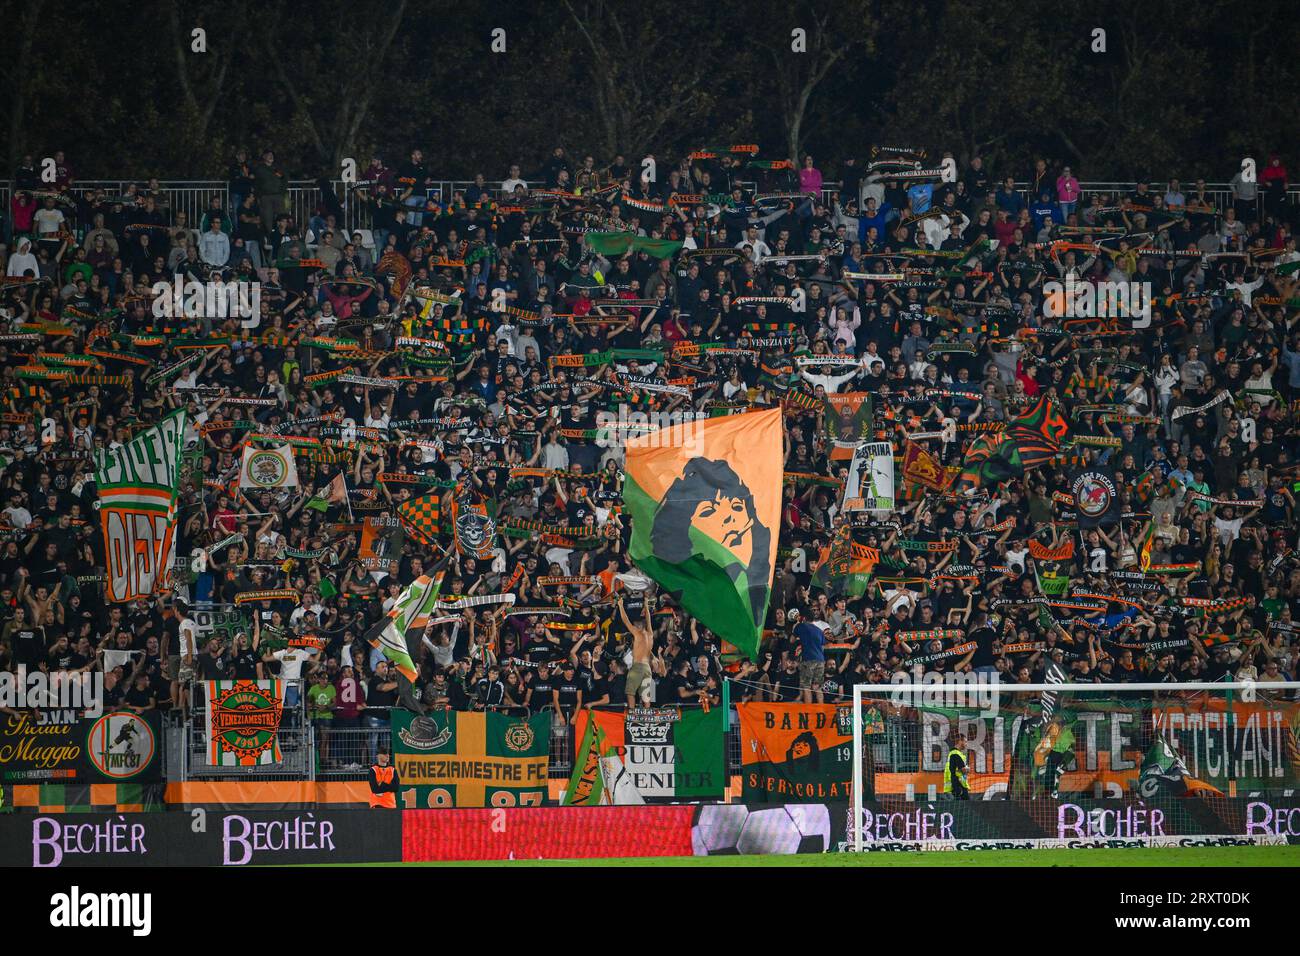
(258,837)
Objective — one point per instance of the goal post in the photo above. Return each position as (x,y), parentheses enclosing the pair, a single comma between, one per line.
(1056,764)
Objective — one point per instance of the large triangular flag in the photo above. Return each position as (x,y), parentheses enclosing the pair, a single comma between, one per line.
(705,501)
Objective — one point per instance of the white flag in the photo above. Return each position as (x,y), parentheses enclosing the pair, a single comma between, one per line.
(268,468)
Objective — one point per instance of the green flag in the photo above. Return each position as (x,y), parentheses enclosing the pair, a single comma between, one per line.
(621,243)
(705,502)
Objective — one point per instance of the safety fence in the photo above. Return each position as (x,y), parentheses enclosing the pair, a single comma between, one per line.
(338,749)
(304,200)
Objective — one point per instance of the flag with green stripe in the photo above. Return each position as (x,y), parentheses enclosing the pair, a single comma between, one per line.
(705,502)
(138,484)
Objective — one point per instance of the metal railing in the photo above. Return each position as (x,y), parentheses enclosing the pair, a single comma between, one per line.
(295,739)
(193,197)
(336,749)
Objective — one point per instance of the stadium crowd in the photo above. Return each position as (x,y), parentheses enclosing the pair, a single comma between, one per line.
(479,344)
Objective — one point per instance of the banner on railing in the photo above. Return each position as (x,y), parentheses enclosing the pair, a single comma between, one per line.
(58,746)
(647,754)
(795,753)
(243,721)
(458,759)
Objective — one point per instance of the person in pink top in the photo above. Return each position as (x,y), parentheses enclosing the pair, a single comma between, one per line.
(810,179)
(1067,192)
(22,209)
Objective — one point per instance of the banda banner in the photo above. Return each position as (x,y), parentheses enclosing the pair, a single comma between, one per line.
(848,422)
(268,468)
(705,502)
(870,486)
(463,759)
(243,720)
(665,753)
(796,753)
(138,485)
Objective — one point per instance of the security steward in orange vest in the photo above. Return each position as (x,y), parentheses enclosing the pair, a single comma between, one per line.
(383,782)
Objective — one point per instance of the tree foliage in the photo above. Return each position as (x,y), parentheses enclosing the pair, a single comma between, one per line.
(1182,89)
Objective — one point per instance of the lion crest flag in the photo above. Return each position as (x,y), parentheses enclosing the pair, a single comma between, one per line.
(268,468)
(705,502)
(138,485)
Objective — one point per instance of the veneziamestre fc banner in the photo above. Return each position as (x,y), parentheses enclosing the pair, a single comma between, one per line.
(138,484)
(464,759)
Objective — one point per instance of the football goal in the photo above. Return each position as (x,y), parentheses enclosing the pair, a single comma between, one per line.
(965,764)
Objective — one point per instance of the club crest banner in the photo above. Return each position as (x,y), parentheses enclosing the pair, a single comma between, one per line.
(243,721)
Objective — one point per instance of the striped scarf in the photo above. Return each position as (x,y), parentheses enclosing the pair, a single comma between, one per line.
(274,594)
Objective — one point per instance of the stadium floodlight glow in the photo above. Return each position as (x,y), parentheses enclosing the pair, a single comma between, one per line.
(1136,741)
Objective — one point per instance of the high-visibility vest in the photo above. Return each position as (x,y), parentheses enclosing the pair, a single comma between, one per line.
(386,800)
(947,771)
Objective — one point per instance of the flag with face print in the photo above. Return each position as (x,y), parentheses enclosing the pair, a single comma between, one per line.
(705,502)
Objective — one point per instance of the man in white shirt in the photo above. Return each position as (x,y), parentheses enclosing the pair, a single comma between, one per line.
(1247,289)
(179,668)
(48,221)
(512,182)
(19,517)
(760,249)
(291,661)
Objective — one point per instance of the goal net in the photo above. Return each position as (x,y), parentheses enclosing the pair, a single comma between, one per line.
(967,765)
